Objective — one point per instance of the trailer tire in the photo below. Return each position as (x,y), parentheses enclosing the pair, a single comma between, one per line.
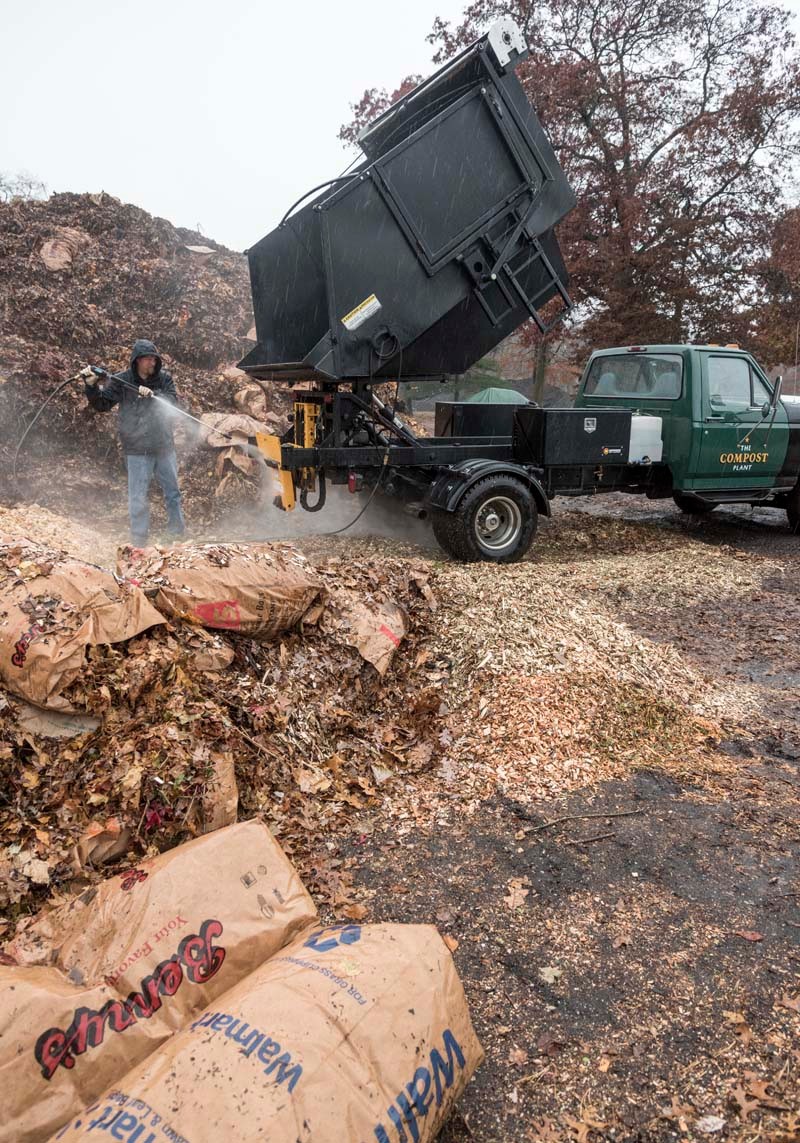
(691,505)
(495,521)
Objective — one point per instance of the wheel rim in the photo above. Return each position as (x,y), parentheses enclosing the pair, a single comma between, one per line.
(498,523)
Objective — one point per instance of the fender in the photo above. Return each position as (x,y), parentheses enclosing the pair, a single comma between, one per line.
(449,488)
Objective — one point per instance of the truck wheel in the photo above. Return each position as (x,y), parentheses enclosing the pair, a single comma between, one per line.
(793,510)
(495,521)
(692,505)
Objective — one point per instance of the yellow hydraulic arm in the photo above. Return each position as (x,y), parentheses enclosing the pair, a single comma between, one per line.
(306,415)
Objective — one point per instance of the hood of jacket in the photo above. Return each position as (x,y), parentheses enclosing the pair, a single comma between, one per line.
(144,348)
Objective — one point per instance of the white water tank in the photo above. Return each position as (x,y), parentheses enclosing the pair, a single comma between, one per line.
(646,445)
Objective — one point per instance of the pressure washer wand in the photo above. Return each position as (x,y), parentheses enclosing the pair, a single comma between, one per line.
(168,404)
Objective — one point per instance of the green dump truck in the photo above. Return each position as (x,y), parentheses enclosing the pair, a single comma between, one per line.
(721,431)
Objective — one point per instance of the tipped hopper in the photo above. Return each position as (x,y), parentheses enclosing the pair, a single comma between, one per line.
(434,249)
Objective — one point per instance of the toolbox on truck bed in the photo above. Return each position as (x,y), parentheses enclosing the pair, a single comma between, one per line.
(571,436)
(461,419)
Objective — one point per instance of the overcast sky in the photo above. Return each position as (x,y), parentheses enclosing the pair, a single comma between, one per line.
(212,112)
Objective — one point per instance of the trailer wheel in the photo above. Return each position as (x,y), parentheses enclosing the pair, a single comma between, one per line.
(495,521)
(692,505)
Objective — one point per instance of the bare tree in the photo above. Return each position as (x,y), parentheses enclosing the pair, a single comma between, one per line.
(20,185)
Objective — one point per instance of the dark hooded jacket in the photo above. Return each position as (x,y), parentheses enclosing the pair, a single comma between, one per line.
(145,425)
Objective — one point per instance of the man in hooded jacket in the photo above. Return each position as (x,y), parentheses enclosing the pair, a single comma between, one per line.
(144,393)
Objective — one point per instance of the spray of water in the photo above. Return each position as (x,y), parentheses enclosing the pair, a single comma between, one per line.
(384,516)
(263,521)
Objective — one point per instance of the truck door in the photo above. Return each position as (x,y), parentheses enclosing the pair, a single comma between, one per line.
(736,446)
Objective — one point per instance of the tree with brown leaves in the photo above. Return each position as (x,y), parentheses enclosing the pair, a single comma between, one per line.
(775,329)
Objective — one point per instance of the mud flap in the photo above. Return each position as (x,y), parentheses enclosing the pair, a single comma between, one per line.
(448,489)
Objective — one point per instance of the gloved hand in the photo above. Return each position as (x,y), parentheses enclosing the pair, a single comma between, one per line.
(145,392)
(88,375)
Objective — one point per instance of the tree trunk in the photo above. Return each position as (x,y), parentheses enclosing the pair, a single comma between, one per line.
(539,367)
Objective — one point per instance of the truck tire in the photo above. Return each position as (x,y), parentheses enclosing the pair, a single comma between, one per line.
(691,505)
(793,510)
(495,521)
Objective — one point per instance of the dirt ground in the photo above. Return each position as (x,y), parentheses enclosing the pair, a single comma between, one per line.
(631,951)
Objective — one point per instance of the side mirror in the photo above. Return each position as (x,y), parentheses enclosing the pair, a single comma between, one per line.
(776,392)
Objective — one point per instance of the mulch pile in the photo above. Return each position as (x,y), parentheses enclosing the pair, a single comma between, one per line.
(88,273)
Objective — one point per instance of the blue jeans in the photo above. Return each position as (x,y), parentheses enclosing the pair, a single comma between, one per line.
(141,469)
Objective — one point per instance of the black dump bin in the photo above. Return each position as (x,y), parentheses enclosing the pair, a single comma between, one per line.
(432,250)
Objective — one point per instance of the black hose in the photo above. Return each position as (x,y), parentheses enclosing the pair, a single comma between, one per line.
(320,186)
(376,486)
(130,385)
(320,504)
(42,408)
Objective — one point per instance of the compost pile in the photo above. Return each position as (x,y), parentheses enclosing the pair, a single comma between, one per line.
(480,680)
(81,277)
(87,273)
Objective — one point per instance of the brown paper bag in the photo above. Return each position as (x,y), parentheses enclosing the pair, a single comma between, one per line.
(36,1005)
(349,1034)
(54,608)
(137,958)
(117,932)
(255,589)
(375,628)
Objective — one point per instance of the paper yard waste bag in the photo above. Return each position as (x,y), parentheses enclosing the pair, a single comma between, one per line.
(376,628)
(252,589)
(135,959)
(39,1009)
(53,608)
(219,428)
(117,932)
(350,1035)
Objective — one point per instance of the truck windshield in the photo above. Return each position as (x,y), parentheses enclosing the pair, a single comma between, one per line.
(654,375)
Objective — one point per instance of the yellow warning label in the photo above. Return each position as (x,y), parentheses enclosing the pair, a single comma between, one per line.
(363,310)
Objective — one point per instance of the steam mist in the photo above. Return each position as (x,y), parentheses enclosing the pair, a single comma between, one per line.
(384,516)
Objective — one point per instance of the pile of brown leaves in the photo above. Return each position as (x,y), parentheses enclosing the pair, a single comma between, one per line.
(192,723)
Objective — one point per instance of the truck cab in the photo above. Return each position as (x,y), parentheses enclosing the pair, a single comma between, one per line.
(727,436)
